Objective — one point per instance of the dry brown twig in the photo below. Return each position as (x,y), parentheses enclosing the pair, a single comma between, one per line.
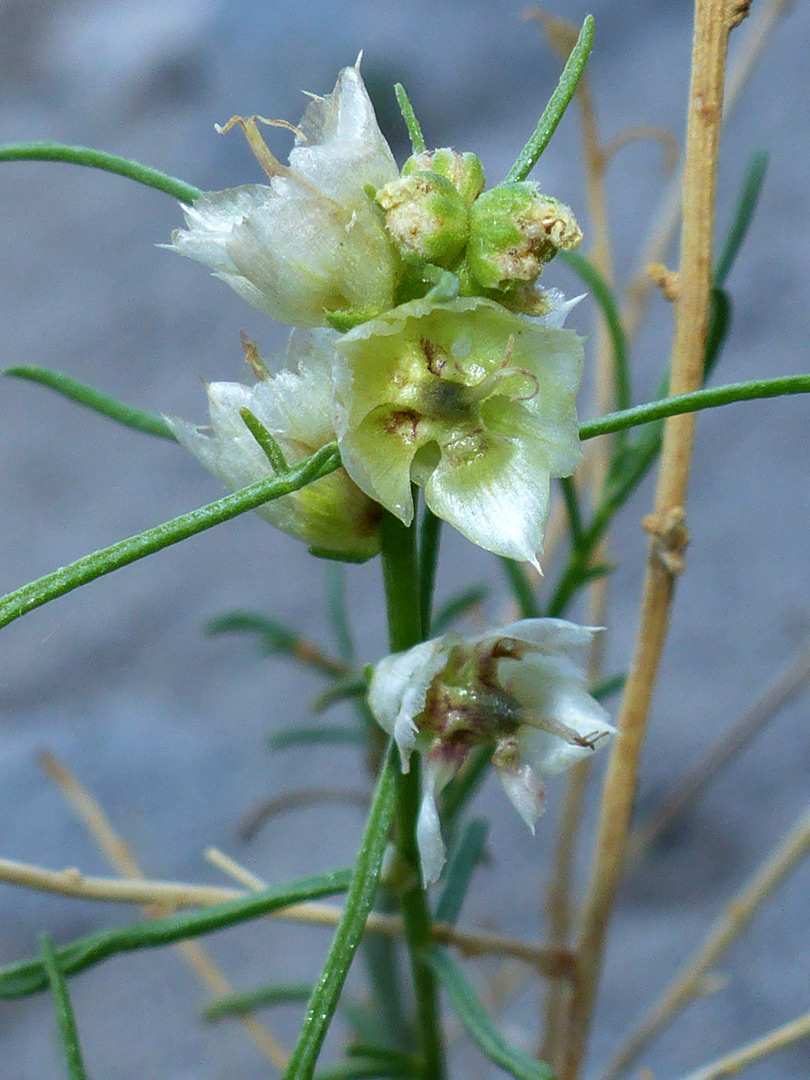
(690,980)
(92,815)
(713,20)
(737,1060)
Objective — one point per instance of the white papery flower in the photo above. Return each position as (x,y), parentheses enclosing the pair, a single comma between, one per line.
(332,515)
(310,248)
(520,689)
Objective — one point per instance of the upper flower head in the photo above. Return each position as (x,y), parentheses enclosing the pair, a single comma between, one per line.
(295,406)
(470,401)
(310,248)
(520,690)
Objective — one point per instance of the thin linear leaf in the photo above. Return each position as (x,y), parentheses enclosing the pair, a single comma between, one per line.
(260,997)
(711,398)
(64,1011)
(743,215)
(521,589)
(274,637)
(90,398)
(351,687)
(356,908)
(29,977)
(338,611)
(418,144)
(610,685)
(364,1070)
(90,567)
(558,103)
(99,159)
(477,1023)
(459,604)
(315,734)
(397,1058)
(462,865)
(604,297)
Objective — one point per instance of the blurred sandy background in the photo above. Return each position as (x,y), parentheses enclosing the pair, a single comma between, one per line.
(166,725)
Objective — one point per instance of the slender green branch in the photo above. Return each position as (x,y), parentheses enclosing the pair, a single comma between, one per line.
(29,977)
(405,622)
(90,567)
(558,103)
(64,1011)
(99,159)
(418,144)
(260,997)
(696,401)
(138,419)
(267,441)
(365,876)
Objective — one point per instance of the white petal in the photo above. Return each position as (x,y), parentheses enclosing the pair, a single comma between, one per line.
(560,308)
(525,791)
(432,854)
(399,687)
(551,637)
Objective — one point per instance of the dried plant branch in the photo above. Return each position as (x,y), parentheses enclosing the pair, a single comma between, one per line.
(713,20)
(666,217)
(692,786)
(690,981)
(778,1039)
(92,815)
(546,959)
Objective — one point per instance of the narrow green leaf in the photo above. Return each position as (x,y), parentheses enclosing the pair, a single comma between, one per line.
(313,735)
(353,686)
(607,686)
(396,1058)
(272,451)
(365,1070)
(365,878)
(28,977)
(338,611)
(64,1011)
(604,297)
(90,567)
(571,500)
(274,636)
(260,997)
(137,419)
(98,159)
(558,103)
(463,861)
(411,123)
(743,215)
(711,398)
(519,584)
(477,1023)
(458,604)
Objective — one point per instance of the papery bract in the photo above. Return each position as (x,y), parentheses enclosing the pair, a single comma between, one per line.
(472,402)
(310,248)
(520,689)
(295,405)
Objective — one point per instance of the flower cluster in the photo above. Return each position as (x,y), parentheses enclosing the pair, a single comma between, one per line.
(519,690)
(426,348)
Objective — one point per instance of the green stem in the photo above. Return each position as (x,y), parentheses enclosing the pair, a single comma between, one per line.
(402,593)
(694,402)
(93,566)
(558,103)
(105,404)
(98,159)
(429,539)
(64,1011)
(366,875)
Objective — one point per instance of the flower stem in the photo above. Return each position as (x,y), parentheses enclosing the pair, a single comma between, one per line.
(99,159)
(402,592)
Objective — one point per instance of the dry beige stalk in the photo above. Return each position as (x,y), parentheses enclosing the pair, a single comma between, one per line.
(712,24)
(92,815)
(735,1062)
(690,981)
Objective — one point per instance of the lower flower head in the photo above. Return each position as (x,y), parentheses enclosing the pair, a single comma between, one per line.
(472,402)
(519,690)
(332,515)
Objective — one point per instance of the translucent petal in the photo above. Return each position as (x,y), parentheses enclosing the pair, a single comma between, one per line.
(525,792)
(399,687)
(432,854)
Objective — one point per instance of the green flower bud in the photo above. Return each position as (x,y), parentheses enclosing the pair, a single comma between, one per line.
(464,171)
(514,230)
(426,217)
